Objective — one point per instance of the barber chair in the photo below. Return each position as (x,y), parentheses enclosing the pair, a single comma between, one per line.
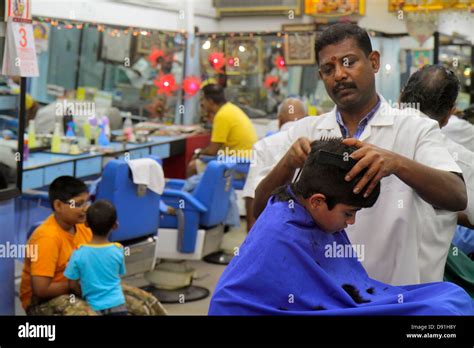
(242,166)
(190,228)
(137,215)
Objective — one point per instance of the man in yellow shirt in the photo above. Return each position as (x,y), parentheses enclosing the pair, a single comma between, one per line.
(232,131)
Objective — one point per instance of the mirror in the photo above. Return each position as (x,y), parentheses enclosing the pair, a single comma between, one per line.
(11,137)
(256,76)
(109,65)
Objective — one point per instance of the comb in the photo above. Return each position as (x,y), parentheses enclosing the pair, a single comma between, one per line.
(334,159)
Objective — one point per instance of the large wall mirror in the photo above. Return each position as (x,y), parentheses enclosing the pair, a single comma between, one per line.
(11,134)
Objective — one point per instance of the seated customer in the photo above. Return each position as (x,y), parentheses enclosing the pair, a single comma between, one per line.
(298,260)
(99,264)
(232,131)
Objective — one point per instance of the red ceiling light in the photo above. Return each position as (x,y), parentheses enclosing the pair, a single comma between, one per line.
(280,62)
(217,61)
(166,84)
(154,56)
(191,85)
(270,80)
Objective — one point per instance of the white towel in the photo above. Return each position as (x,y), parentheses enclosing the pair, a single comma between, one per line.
(147,171)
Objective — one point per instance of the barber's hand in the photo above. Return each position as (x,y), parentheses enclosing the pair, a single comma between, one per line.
(380,163)
(298,152)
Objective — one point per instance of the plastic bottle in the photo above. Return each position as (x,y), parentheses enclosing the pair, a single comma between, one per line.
(56,140)
(93,130)
(86,130)
(103,140)
(106,123)
(31,134)
(26,150)
(128,130)
(70,129)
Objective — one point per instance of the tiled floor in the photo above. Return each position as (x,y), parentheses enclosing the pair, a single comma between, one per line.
(207,276)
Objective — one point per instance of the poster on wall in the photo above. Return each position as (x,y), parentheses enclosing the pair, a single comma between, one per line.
(19,56)
(299,44)
(432,5)
(41,34)
(334,8)
(17,9)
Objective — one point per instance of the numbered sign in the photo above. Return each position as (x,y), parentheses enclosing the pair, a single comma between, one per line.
(19,57)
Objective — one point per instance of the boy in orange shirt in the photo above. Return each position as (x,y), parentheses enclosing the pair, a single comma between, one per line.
(60,234)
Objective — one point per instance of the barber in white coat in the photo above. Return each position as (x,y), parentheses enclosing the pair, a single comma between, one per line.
(460,131)
(404,151)
(434,90)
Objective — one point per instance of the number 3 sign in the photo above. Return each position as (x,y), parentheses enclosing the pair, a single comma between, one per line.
(19,57)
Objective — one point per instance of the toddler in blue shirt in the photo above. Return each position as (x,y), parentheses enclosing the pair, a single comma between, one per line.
(95,268)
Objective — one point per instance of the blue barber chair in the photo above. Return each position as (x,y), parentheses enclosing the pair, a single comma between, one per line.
(137,213)
(191,228)
(242,166)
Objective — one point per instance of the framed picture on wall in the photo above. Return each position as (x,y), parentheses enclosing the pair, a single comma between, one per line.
(16,9)
(146,43)
(322,8)
(299,44)
(115,48)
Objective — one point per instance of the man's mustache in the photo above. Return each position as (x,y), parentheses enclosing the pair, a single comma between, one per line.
(342,85)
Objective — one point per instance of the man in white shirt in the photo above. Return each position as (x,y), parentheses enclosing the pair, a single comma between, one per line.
(402,151)
(289,111)
(434,89)
(460,131)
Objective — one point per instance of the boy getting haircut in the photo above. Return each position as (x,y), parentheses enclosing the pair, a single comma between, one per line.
(324,171)
(298,260)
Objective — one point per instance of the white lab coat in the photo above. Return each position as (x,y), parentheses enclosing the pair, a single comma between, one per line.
(391,231)
(265,154)
(460,131)
(439,225)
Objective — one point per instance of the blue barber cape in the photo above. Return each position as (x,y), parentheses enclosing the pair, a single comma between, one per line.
(283,268)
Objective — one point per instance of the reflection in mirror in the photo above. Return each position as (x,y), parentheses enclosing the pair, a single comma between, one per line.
(119,69)
(256,76)
(9,132)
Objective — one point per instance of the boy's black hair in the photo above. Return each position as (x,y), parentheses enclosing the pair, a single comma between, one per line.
(340,31)
(215,93)
(65,188)
(326,176)
(434,88)
(101,217)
